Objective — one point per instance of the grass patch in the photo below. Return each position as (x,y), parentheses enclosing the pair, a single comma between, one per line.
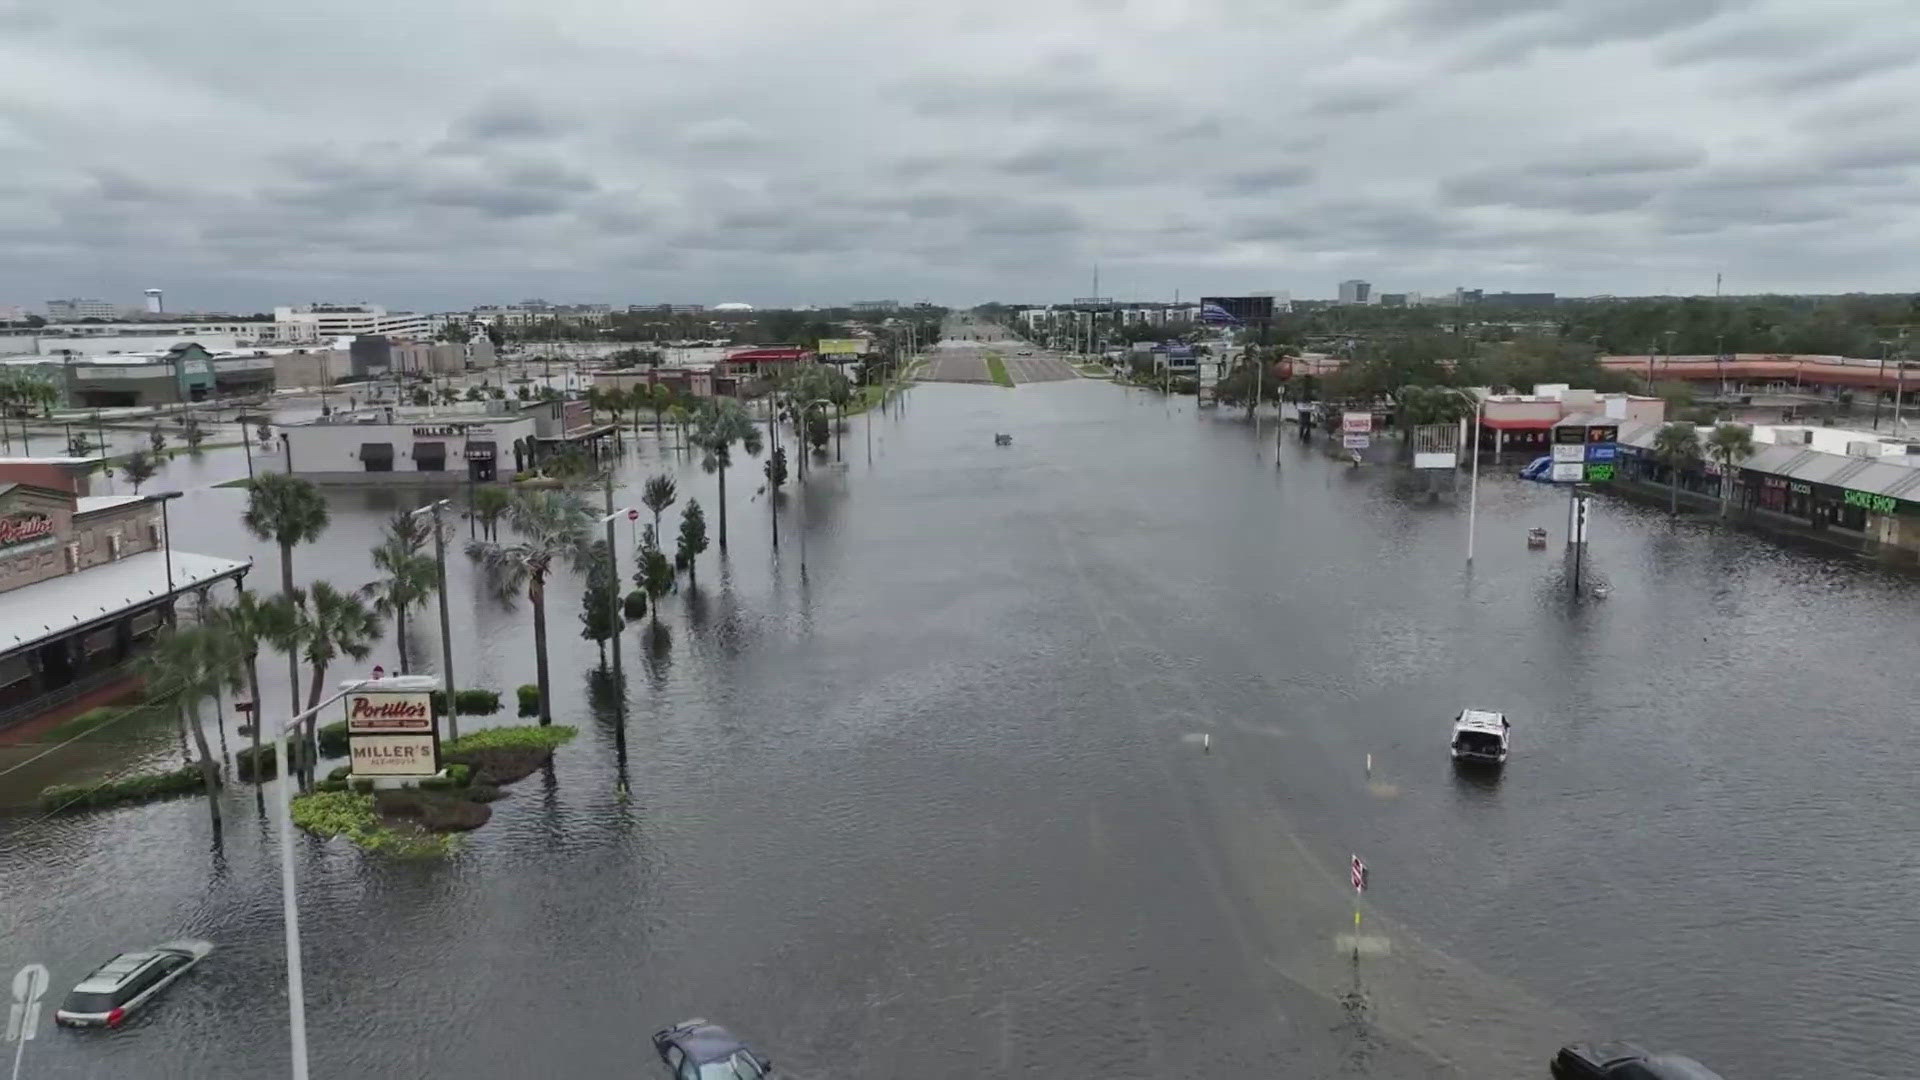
(143,787)
(240,483)
(85,722)
(353,815)
(501,755)
(997,370)
(530,735)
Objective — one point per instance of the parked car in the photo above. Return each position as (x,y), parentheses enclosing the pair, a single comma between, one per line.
(1624,1061)
(123,985)
(697,1050)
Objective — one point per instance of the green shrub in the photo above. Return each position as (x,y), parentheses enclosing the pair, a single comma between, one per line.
(634,604)
(458,774)
(529,699)
(469,702)
(333,739)
(349,814)
(340,772)
(330,785)
(243,766)
(501,738)
(138,788)
(86,721)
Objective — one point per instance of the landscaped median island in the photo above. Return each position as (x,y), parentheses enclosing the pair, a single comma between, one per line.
(422,820)
(997,370)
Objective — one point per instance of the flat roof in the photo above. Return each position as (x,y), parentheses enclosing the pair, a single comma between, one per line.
(36,613)
(90,504)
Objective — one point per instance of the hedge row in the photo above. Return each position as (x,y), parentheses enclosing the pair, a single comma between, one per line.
(182,781)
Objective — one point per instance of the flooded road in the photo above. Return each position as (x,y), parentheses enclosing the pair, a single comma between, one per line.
(938,804)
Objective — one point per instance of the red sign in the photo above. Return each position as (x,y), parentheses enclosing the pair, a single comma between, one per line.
(379,672)
(372,712)
(1359,875)
(24,527)
(633,515)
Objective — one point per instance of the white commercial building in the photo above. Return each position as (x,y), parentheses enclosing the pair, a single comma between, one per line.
(374,445)
(1356,291)
(319,322)
(76,308)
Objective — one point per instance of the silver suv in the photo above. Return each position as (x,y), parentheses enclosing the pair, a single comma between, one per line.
(123,984)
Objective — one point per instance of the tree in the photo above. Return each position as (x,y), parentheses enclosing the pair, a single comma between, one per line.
(1728,446)
(693,539)
(663,399)
(1676,445)
(251,622)
(183,667)
(158,441)
(333,624)
(421,398)
(81,446)
(139,469)
(599,619)
(720,423)
(488,504)
(411,575)
(458,333)
(287,511)
(658,494)
(475,393)
(656,575)
(193,434)
(678,414)
(553,527)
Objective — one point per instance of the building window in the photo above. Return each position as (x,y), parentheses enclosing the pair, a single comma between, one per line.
(377,456)
(430,456)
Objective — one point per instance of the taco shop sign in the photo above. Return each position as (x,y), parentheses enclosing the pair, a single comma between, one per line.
(390,733)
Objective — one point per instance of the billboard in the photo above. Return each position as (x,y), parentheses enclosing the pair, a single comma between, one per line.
(843,346)
(1246,309)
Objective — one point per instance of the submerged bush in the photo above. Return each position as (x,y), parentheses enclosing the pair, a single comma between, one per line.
(138,788)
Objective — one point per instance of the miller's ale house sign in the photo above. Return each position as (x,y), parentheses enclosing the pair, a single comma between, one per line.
(390,733)
(23,528)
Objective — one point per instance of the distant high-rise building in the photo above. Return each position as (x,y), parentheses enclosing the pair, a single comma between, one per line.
(1393,299)
(155,303)
(877,306)
(1356,292)
(76,308)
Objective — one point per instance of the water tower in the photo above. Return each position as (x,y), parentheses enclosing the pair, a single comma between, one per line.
(154,304)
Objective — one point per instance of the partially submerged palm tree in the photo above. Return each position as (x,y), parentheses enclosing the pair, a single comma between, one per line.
(1729,445)
(184,667)
(1676,445)
(411,575)
(721,423)
(288,511)
(334,624)
(553,527)
(251,622)
(658,494)
(488,504)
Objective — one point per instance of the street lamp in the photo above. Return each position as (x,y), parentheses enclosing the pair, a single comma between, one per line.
(1473,482)
(289,906)
(166,533)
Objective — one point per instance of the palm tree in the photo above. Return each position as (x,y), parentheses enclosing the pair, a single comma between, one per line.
(678,414)
(1676,445)
(334,624)
(488,504)
(662,396)
(250,622)
(659,493)
(183,667)
(1729,445)
(721,423)
(553,524)
(286,510)
(411,575)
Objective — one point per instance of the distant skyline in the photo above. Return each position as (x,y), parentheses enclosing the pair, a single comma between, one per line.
(792,154)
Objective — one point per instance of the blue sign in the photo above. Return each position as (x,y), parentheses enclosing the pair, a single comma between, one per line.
(1603,451)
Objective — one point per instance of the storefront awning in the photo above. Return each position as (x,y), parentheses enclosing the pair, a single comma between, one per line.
(1517,425)
(33,614)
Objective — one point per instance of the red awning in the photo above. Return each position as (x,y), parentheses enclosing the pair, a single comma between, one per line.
(1517,425)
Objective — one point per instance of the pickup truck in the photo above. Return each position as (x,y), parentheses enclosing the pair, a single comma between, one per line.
(1624,1061)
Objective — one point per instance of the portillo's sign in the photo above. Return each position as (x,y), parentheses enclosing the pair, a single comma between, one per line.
(393,712)
(22,528)
(390,733)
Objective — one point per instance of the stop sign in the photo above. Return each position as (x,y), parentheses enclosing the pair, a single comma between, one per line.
(633,515)
(379,672)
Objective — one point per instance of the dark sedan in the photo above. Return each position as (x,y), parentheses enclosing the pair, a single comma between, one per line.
(697,1050)
(1624,1061)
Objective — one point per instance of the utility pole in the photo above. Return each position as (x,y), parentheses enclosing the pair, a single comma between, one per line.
(1878,387)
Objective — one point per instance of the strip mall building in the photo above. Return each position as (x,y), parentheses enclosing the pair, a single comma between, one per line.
(86,581)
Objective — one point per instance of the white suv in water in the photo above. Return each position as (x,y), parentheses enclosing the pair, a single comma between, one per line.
(123,984)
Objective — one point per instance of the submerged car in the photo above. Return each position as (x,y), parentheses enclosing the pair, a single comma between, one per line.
(1481,737)
(127,983)
(697,1050)
(1624,1061)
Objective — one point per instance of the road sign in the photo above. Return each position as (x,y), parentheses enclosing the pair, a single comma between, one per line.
(1359,875)
(633,515)
(379,672)
(23,1019)
(1356,442)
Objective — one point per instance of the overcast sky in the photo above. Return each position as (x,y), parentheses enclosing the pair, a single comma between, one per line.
(435,154)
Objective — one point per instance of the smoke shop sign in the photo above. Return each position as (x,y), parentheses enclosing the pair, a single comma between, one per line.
(24,528)
(1879,504)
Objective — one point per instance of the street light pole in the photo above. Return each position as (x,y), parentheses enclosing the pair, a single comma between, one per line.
(1473,472)
(166,531)
(446,633)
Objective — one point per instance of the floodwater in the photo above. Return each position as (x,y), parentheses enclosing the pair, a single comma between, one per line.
(1050,760)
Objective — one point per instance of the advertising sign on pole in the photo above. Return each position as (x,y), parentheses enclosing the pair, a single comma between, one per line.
(1361,422)
(843,346)
(1569,472)
(390,733)
(1569,452)
(1355,442)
